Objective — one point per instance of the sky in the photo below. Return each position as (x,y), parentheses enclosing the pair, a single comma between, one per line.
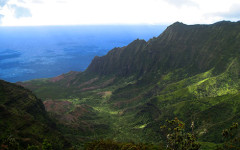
(116,12)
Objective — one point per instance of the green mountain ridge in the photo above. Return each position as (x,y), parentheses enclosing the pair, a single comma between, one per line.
(194,48)
(24,120)
(189,71)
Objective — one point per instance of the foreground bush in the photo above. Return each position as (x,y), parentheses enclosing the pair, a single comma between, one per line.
(112,145)
(177,138)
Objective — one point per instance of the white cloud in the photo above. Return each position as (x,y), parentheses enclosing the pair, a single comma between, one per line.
(20,12)
(233,12)
(180,3)
(38,1)
(3,2)
(1,16)
(72,12)
(21,1)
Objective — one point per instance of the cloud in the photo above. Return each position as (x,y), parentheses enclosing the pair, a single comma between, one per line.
(38,1)
(233,13)
(74,12)
(180,3)
(1,16)
(21,1)
(20,12)
(3,3)
(61,1)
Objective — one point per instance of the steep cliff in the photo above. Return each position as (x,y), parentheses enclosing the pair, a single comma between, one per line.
(189,71)
(195,48)
(23,119)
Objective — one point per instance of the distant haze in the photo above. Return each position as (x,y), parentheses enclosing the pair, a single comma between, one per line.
(40,52)
(116,12)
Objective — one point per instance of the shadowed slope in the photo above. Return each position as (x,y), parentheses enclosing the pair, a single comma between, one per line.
(24,119)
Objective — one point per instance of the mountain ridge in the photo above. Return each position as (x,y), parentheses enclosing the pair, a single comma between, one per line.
(162,47)
(24,119)
(189,71)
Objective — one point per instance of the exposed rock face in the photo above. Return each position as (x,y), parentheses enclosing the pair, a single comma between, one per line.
(195,48)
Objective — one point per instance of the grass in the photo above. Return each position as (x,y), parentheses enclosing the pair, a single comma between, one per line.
(206,98)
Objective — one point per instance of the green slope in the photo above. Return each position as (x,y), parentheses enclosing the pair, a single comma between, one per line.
(24,121)
(189,72)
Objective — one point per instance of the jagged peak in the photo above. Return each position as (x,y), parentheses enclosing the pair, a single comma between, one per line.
(173,28)
(177,24)
(139,41)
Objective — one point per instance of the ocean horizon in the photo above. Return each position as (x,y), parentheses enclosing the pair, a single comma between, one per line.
(28,53)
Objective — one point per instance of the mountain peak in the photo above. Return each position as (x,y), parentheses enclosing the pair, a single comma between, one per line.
(179,46)
(177,24)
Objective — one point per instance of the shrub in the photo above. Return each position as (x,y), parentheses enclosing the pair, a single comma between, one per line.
(177,138)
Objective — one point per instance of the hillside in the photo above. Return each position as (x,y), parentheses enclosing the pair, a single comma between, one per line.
(195,48)
(24,120)
(189,71)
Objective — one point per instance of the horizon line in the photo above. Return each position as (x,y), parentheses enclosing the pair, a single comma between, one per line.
(120,24)
(144,24)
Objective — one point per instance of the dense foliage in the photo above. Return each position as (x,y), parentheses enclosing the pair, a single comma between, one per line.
(24,121)
(188,72)
(231,137)
(177,138)
(112,145)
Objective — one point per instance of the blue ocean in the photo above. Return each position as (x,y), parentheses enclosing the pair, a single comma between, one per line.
(46,51)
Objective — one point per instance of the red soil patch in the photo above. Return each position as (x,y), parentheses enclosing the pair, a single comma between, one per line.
(123,103)
(65,113)
(27,85)
(69,76)
(55,79)
(58,107)
(104,84)
(81,110)
(75,118)
(88,82)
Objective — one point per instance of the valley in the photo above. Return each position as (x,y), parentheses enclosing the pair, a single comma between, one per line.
(189,72)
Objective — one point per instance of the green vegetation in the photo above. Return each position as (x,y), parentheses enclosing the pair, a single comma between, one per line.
(112,145)
(231,137)
(24,120)
(177,138)
(188,72)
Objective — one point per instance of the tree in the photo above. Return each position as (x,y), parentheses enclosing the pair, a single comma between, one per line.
(33,147)
(177,138)
(9,142)
(231,138)
(46,145)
